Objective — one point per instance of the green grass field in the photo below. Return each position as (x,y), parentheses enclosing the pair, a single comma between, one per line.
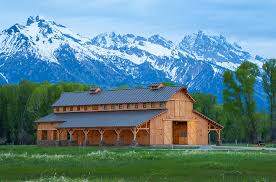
(34,163)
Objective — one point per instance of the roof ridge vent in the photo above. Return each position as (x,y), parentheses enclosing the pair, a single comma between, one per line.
(94,90)
(156,86)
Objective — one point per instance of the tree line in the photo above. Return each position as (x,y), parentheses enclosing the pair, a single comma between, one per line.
(21,104)
(27,101)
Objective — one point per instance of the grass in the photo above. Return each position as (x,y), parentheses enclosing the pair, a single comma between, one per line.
(34,163)
(248,145)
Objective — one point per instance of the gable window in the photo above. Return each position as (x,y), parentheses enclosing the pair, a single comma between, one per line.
(152,105)
(78,108)
(113,106)
(64,108)
(120,106)
(136,106)
(71,108)
(144,105)
(85,108)
(44,135)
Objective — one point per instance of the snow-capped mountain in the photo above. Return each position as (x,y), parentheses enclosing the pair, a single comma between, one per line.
(44,50)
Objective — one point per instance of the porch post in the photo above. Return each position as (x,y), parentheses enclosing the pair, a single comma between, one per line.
(118,131)
(71,136)
(58,139)
(101,131)
(134,141)
(219,137)
(85,137)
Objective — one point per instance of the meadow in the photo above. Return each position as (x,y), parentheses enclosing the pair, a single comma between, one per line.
(35,163)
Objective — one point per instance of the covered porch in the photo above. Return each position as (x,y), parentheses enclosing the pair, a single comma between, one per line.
(104,136)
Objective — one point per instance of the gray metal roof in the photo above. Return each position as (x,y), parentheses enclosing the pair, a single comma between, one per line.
(117,96)
(101,119)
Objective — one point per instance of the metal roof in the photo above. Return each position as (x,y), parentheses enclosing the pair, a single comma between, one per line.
(122,96)
(102,119)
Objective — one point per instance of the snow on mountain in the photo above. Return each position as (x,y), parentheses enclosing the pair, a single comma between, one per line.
(44,50)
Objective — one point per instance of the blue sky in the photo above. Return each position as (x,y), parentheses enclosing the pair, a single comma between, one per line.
(252,23)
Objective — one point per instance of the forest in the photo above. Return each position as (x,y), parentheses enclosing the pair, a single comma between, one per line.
(25,102)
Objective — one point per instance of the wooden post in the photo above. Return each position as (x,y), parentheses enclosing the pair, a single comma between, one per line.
(58,137)
(101,131)
(71,136)
(219,136)
(118,131)
(134,141)
(85,137)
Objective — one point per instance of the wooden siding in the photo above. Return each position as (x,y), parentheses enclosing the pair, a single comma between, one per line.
(180,106)
(157,130)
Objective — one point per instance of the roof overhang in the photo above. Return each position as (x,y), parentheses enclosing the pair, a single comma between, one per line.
(107,119)
(210,120)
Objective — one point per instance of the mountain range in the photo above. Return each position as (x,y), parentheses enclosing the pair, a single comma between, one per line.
(43,50)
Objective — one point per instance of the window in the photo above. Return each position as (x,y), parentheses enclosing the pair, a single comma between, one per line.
(144,105)
(112,106)
(105,107)
(183,134)
(57,109)
(71,108)
(85,108)
(78,108)
(120,106)
(128,106)
(95,107)
(161,104)
(64,108)
(152,105)
(44,135)
(136,106)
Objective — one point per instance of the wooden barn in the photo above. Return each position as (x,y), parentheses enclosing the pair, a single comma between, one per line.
(158,115)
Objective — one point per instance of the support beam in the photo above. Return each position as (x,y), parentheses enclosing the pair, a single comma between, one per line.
(118,131)
(85,137)
(134,131)
(101,131)
(71,135)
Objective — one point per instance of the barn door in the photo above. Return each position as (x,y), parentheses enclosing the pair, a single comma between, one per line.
(180,132)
